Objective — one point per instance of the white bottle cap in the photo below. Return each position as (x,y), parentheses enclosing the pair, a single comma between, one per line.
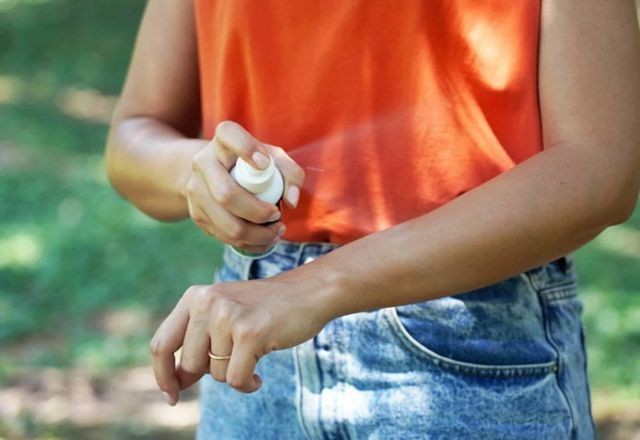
(252,179)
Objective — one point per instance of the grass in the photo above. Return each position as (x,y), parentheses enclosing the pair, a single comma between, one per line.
(85,277)
(71,250)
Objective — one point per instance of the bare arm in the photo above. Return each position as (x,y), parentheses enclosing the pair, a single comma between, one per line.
(148,150)
(154,156)
(586,179)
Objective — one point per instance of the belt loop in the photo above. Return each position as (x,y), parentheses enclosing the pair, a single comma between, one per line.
(566,263)
(301,247)
(245,267)
(538,277)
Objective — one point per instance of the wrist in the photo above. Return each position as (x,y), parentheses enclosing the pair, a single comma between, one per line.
(189,147)
(323,289)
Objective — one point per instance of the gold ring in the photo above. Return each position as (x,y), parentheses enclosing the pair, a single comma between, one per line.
(213,356)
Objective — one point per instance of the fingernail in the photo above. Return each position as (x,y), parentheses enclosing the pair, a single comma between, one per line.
(167,397)
(276,215)
(281,231)
(293,194)
(260,159)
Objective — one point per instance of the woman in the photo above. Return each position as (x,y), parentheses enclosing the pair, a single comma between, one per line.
(441,160)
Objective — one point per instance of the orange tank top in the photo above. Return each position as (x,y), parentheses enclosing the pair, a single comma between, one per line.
(393,108)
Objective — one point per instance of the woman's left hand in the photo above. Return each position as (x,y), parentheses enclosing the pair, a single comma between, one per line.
(246,319)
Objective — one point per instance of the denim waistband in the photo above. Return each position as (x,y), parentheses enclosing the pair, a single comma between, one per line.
(289,253)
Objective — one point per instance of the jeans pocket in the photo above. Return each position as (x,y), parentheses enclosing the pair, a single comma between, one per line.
(494,331)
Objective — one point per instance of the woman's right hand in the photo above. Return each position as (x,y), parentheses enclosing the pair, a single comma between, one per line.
(225,210)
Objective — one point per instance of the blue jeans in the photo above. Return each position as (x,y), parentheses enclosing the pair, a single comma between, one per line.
(504,361)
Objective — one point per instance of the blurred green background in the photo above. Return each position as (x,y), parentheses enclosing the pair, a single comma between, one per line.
(85,278)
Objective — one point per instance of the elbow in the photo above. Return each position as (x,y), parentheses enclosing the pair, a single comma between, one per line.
(623,207)
(621,198)
(121,182)
(610,184)
(113,170)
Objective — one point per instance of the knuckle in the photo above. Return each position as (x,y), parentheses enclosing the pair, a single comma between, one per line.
(220,377)
(202,300)
(223,312)
(238,243)
(195,164)
(190,366)
(156,347)
(237,231)
(210,232)
(202,223)
(235,243)
(190,188)
(277,153)
(246,332)
(224,126)
(270,346)
(192,290)
(224,194)
(265,215)
(236,383)
(298,174)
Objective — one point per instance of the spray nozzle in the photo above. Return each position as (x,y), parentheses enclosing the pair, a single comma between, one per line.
(252,179)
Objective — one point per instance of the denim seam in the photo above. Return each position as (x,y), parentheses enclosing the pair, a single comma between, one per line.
(298,256)
(559,293)
(561,365)
(321,380)
(455,365)
(341,379)
(538,278)
(585,370)
(299,394)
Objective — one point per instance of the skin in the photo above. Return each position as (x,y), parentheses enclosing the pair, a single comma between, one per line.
(186,177)
(586,179)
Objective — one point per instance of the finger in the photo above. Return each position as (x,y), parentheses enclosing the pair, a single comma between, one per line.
(240,372)
(200,218)
(165,342)
(193,356)
(205,224)
(231,139)
(213,231)
(292,172)
(226,192)
(255,249)
(221,345)
(240,231)
(235,228)
(185,378)
(194,361)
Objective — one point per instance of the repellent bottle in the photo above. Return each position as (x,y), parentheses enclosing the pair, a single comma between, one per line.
(267,185)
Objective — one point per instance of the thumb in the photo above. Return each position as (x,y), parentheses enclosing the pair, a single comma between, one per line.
(292,173)
(231,141)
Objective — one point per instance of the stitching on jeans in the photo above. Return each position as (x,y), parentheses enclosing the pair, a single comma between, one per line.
(559,293)
(299,394)
(298,256)
(563,392)
(479,369)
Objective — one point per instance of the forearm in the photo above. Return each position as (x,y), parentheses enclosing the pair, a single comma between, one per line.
(148,163)
(542,209)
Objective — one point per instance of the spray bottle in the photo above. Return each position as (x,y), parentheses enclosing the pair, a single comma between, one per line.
(267,185)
